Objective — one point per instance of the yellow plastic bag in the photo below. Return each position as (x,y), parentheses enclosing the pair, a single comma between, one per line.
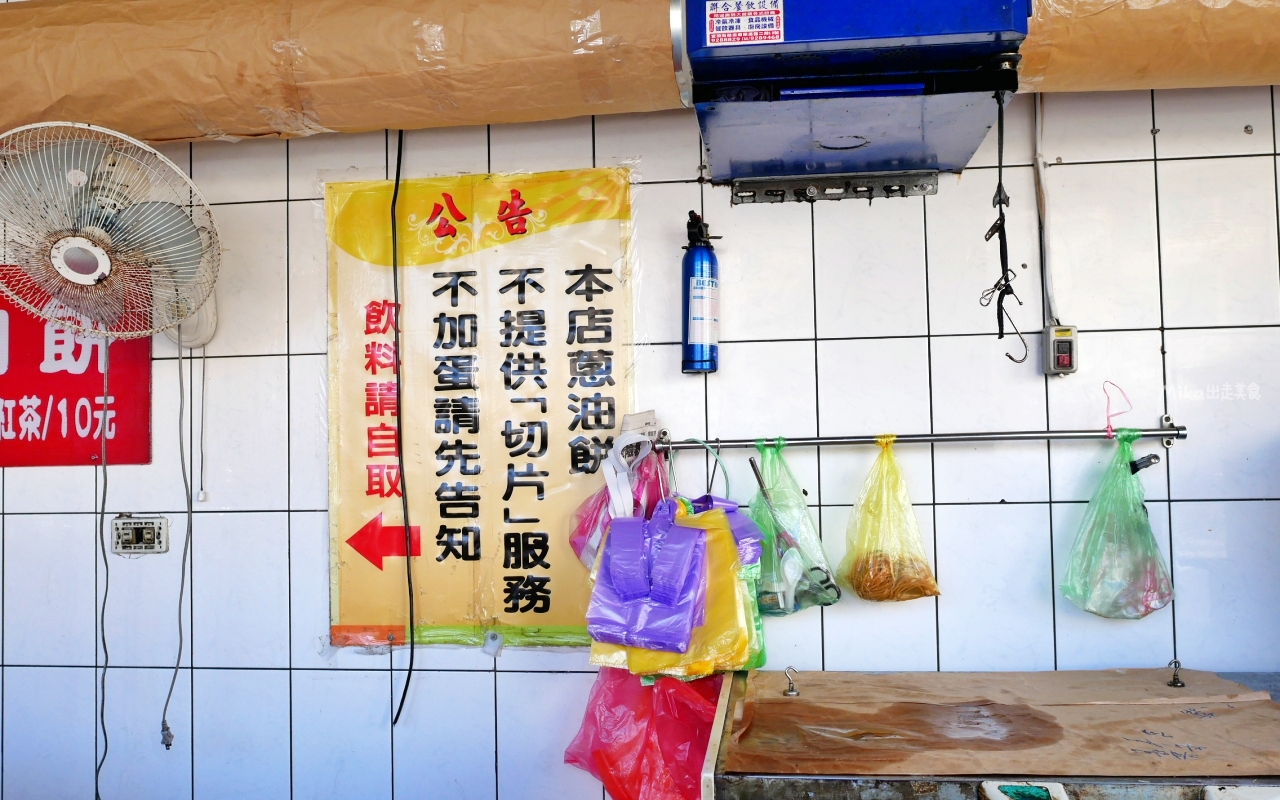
(723,642)
(886,558)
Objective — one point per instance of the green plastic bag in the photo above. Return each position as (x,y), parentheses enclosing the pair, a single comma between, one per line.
(794,574)
(1115,569)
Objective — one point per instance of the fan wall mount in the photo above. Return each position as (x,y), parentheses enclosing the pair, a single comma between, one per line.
(103,234)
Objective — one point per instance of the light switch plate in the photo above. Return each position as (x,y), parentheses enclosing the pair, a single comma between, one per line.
(132,535)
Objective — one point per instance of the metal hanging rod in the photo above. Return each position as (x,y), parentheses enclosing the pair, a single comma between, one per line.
(1168,433)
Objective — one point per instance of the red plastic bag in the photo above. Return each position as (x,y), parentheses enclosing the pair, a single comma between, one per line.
(592,517)
(646,742)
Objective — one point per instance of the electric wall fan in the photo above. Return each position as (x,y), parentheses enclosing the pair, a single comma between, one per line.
(101,233)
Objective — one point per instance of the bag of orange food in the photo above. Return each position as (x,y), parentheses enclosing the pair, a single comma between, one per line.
(886,558)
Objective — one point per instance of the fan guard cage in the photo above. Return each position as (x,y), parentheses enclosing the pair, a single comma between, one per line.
(63,183)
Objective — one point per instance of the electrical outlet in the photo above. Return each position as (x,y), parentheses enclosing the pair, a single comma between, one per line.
(132,535)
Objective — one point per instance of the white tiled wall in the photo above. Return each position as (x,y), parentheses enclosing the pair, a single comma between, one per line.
(838,319)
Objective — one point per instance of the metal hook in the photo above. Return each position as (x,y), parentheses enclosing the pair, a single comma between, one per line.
(1026,351)
(711,482)
(791,684)
(1177,679)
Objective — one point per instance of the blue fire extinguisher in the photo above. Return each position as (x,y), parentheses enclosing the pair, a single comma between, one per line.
(701,306)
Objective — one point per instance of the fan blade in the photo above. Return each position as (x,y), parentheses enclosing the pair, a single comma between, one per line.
(163,235)
(39,191)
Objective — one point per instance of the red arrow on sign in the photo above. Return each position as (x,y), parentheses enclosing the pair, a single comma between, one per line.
(376,542)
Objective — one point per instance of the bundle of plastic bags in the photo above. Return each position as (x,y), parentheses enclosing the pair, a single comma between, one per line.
(725,636)
(794,574)
(886,559)
(1115,569)
(650,589)
(646,742)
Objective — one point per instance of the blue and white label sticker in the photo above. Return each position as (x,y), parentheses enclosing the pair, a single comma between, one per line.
(735,22)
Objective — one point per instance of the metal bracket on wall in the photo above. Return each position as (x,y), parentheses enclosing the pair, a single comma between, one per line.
(858,186)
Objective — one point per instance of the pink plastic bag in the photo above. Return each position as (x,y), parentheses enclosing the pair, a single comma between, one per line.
(592,517)
(646,742)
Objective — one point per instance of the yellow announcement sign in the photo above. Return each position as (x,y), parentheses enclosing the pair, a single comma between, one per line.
(515,353)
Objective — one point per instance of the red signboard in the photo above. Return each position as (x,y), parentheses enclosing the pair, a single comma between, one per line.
(52,410)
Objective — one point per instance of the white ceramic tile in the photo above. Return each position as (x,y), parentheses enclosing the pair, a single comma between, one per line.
(872,386)
(1102,245)
(252,282)
(447,707)
(137,766)
(870,268)
(1224,557)
(662,145)
(976,388)
(335,157)
(538,715)
(1229,451)
(680,401)
(1019,135)
(177,152)
(238,172)
(540,146)
(240,590)
(1097,126)
(794,641)
(242,734)
(308,278)
(341,734)
(443,151)
(877,637)
(49,604)
(660,213)
(962,264)
(1087,641)
(246,451)
(142,606)
(309,432)
(1218,241)
(157,487)
(524,659)
(49,719)
(996,608)
(766,268)
(1131,360)
(763,389)
(46,489)
(1213,122)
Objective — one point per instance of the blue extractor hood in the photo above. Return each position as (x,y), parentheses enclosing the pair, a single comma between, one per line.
(812,99)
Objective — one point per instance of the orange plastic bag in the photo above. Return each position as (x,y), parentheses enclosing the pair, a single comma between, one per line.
(646,742)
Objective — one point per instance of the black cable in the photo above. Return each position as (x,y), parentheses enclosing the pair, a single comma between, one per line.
(404,488)
(166,734)
(106,568)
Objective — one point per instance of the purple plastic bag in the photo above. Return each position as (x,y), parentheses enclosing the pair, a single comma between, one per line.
(745,532)
(672,563)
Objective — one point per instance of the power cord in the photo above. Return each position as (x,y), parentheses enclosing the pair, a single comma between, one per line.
(404,487)
(106,568)
(166,733)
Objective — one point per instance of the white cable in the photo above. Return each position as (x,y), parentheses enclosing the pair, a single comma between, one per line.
(1042,207)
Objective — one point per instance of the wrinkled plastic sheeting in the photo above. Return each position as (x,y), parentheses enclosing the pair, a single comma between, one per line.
(169,70)
(1105,45)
